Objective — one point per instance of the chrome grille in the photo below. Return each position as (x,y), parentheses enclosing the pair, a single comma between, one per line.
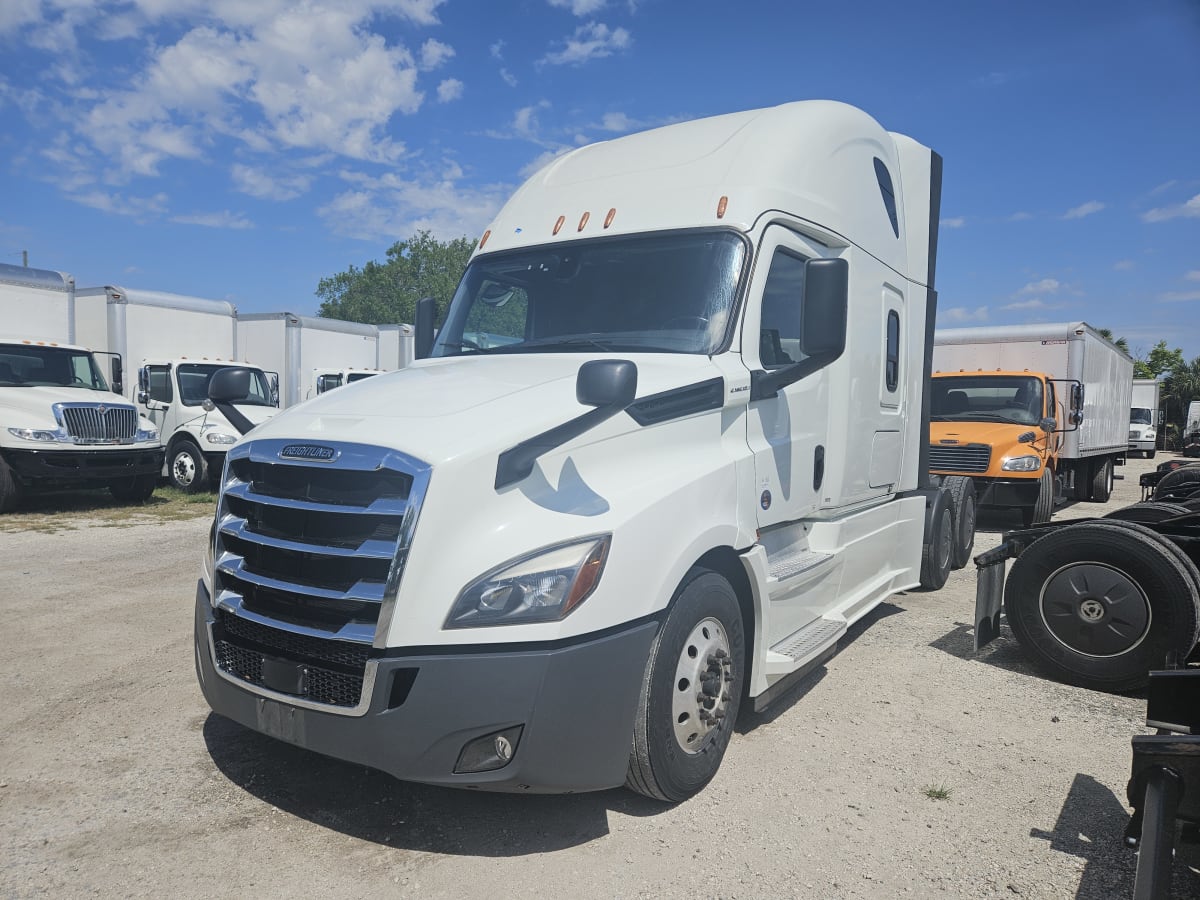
(309,556)
(98,423)
(960,458)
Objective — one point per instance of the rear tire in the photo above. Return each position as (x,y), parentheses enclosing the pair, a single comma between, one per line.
(1100,604)
(691,691)
(1149,512)
(1181,480)
(962,492)
(10,489)
(1150,454)
(937,554)
(1102,482)
(1043,507)
(137,489)
(188,471)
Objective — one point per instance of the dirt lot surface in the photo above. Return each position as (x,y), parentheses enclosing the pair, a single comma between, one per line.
(115,780)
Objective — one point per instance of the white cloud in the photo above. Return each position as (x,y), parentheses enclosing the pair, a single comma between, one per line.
(1193,275)
(957,315)
(224,219)
(1020,217)
(508,77)
(121,205)
(434,53)
(497,50)
(1084,209)
(260,183)
(579,7)
(1123,265)
(1179,296)
(1028,304)
(956,222)
(595,40)
(450,89)
(1188,210)
(1045,286)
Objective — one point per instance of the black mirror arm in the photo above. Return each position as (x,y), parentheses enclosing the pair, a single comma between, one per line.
(234,415)
(765,384)
(516,463)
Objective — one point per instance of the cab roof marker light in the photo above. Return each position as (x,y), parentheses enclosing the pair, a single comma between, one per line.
(559,224)
(583,221)
(483,240)
(722,205)
(612,214)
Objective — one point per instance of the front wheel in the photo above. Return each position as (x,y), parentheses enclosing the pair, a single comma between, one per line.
(691,691)
(1102,481)
(10,488)
(1043,507)
(137,489)
(188,470)
(937,554)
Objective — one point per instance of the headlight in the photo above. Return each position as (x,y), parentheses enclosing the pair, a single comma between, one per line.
(37,434)
(146,434)
(1022,464)
(1149,435)
(544,586)
(216,437)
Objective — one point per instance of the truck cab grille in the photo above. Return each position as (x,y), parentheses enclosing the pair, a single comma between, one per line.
(960,458)
(98,423)
(309,556)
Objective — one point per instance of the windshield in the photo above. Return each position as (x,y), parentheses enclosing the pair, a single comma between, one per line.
(987,398)
(658,293)
(359,376)
(1140,416)
(34,365)
(194,379)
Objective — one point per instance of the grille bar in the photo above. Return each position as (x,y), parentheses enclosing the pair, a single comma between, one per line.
(88,424)
(244,491)
(963,458)
(362,590)
(234,526)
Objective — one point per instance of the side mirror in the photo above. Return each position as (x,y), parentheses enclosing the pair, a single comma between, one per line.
(826,298)
(423,328)
(606,382)
(143,397)
(227,387)
(118,384)
(143,381)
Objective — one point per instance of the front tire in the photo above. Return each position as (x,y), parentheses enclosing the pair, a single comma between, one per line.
(1102,482)
(937,554)
(1043,507)
(10,489)
(137,489)
(188,470)
(691,691)
(1100,604)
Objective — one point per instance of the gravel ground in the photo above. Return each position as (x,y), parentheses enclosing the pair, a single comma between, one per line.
(116,780)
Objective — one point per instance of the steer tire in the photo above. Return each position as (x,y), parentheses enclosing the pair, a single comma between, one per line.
(962,493)
(1043,507)
(10,489)
(1102,482)
(1101,604)
(137,489)
(668,761)
(187,470)
(937,554)
(1149,512)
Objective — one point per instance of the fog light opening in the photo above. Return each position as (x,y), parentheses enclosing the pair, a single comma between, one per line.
(490,752)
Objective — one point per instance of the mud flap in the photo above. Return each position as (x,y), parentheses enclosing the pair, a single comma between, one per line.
(989,597)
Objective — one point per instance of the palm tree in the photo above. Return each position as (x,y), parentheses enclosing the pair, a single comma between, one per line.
(1120,342)
(1181,387)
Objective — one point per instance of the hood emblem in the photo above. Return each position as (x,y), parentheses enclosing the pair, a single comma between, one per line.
(314,452)
(102,409)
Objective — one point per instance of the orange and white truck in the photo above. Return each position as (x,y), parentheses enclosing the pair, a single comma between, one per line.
(1033,414)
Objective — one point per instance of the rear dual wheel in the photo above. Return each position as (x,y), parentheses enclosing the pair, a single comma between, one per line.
(962,494)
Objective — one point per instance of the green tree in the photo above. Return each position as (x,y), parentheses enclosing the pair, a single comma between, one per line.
(1179,388)
(384,293)
(1158,361)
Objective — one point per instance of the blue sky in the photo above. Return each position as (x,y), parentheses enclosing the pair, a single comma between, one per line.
(243,149)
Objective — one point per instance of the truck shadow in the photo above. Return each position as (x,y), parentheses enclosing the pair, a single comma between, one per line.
(1004,652)
(1091,827)
(372,806)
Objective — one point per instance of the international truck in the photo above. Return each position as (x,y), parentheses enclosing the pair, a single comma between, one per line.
(694,455)
(1144,417)
(299,347)
(395,347)
(177,343)
(1033,414)
(61,427)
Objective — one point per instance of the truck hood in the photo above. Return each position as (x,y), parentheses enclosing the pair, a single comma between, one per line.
(440,409)
(208,420)
(996,434)
(29,407)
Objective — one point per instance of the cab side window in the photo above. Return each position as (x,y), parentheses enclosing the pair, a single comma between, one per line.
(782,300)
(160,384)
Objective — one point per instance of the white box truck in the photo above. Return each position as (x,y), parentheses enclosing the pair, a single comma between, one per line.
(693,456)
(300,348)
(1144,417)
(395,347)
(177,343)
(60,424)
(1031,413)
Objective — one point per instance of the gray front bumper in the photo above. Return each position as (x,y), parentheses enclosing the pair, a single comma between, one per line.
(576,704)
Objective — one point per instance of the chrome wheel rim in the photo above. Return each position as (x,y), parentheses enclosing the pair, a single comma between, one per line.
(701,693)
(184,469)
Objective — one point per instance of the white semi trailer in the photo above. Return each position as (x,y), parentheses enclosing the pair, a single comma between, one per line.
(176,342)
(1144,417)
(693,455)
(395,347)
(300,348)
(61,426)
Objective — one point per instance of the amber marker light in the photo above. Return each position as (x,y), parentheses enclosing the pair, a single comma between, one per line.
(583,221)
(588,578)
(612,214)
(483,240)
(722,205)
(559,224)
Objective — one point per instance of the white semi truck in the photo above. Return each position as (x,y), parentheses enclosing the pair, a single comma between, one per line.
(61,426)
(693,456)
(177,342)
(1144,417)
(300,348)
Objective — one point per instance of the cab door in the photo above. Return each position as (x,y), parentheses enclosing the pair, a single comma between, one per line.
(787,432)
(156,395)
